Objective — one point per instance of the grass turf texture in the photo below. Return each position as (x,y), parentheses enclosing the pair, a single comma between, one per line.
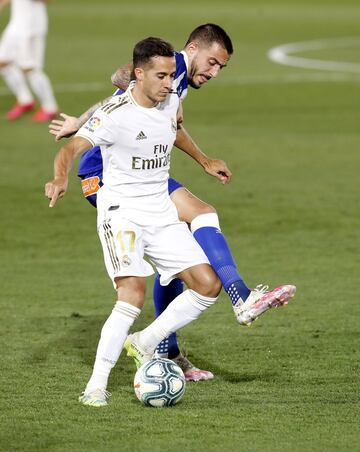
(291,381)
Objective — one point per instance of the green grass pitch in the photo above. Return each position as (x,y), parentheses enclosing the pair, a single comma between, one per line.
(291,214)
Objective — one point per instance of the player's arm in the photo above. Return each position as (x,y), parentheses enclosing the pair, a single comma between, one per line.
(121,78)
(214,167)
(71,124)
(63,162)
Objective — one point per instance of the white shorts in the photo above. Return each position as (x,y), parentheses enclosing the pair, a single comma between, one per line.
(27,52)
(171,248)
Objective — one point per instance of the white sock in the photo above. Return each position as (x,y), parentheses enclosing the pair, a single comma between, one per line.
(113,335)
(185,308)
(40,84)
(16,82)
(205,220)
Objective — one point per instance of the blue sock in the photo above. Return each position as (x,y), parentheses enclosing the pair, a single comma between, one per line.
(163,295)
(214,244)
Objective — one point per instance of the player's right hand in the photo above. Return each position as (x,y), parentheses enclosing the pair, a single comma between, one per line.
(64,128)
(56,189)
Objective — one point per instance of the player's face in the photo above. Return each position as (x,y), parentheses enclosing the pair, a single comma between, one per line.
(158,78)
(206,63)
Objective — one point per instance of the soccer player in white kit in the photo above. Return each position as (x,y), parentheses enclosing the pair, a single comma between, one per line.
(136,217)
(22,50)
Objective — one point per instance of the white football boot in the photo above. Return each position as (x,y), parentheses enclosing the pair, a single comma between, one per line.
(97,397)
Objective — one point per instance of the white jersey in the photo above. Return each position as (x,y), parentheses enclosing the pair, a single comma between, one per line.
(27,18)
(136,144)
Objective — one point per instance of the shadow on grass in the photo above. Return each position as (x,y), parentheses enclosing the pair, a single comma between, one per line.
(73,339)
(235,377)
(65,343)
(75,336)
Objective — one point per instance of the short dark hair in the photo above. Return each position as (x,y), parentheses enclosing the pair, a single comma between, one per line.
(210,33)
(149,48)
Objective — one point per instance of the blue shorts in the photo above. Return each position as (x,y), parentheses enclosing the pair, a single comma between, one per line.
(90,172)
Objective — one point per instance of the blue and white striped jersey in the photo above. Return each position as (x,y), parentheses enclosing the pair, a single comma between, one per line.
(180,83)
(180,79)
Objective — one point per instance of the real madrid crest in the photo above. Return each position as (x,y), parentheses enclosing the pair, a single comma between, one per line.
(126,261)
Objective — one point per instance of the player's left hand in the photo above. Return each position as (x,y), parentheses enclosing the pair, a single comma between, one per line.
(218,169)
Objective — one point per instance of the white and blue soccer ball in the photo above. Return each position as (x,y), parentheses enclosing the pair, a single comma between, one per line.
(159,382)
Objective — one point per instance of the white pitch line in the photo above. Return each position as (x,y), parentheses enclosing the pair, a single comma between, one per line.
(281,55)
(301,77)
(243,80)
(81,87)
(73,88)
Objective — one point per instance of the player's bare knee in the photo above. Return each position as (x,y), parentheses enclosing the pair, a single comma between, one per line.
(131,289)
(209,284)
(213,284)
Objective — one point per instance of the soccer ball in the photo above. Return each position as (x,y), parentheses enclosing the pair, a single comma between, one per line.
(159,382)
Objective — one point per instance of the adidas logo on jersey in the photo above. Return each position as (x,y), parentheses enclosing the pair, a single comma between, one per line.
(141,136)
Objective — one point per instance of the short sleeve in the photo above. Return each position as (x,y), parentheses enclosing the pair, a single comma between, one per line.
(100,129)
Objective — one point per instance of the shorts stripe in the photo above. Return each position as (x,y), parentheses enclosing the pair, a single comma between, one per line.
(109,238)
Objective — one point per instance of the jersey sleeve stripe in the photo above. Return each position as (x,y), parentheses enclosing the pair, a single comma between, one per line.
(123,101)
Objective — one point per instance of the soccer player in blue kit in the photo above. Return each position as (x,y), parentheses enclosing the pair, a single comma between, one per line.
(207,50)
